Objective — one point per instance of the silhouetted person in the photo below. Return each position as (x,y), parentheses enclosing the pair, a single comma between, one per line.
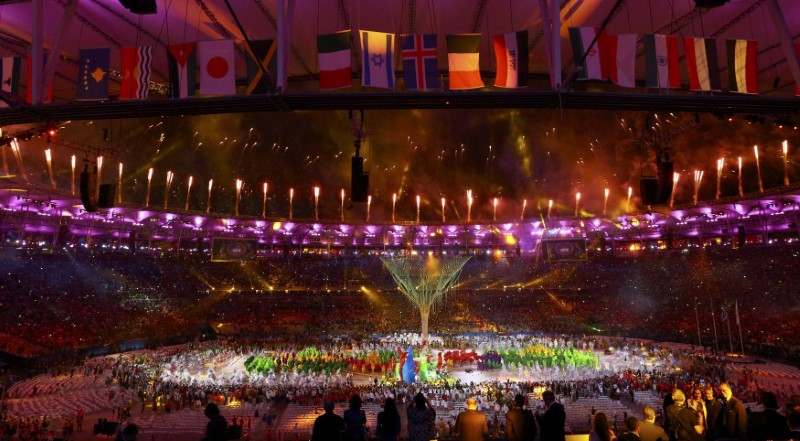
(632,433)
(328,426)
(421,417)
(355,420)
(768,424)
(678,417)
(734,417)
(388,426)
(551,423)
(713,413)
(471,424)
(217,427)
(648,429)
(520,423)
(128,433)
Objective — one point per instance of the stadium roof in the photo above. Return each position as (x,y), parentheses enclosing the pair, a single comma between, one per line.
(106,23)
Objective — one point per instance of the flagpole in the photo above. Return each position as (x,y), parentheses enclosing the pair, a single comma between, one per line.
(730,336)
(697,320)
(741,341)
(714,321)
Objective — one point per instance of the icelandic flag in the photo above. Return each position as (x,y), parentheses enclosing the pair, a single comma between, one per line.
(93,74)
(377,59)
(181,59)
(420,61)
(135,62)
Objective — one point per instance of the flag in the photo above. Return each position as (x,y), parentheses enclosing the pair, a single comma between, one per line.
(618,58)
(217,71)
(261,52)
(181,59)
(9,75)
(334,60)
(661,57)
(93,65)
(701,59)
(797,86)
(587,60)
(47,97)
(377,59)
(742,67)
(723,316)
(511,54)
(463,52)
(135,62)
(420,61)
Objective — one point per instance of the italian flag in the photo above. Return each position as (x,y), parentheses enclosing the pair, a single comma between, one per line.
(701,59)
(334,60)
(462,58)
(511,54)
(661,56)
(742,67)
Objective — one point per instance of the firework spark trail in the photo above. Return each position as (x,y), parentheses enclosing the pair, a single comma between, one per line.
(119,184)
(549,208)
(577,202)
(291,202)
(418,201)
(149,181)
(72,186)
(675,177)
(264,204)
(18,156)
(170,176)
(238,196)
(494,209)
(316,203)
(785,162)
(605,200)
(394,203)
(50,168)
(698,179)
(341,208)
(469,206)
(741,188)
(99,173)
(369,204)
(628,202)
(758,169)
(720,166)
(188,193)
(443,204)
(208,203)
(524,206)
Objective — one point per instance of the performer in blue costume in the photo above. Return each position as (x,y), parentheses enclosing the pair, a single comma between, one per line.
(408,367)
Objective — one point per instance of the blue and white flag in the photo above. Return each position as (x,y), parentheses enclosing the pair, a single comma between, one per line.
(377,59)
(723,316)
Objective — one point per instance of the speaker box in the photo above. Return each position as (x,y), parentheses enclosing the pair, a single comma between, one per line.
(649,191)
(140,6)
(666,178)
(88,193)
(359,181)
(740,236)
(105,199)
(61,239)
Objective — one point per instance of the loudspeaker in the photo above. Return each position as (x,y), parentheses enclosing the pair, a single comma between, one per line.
(132,241)
(649,190)
(140,6)
(741,236)
(105,199)
(359,181)
(88,186)
(666,178)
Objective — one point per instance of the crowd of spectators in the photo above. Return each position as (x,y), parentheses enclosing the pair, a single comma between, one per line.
(71,300)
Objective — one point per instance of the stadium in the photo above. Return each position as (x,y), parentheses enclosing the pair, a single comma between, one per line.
(612,224)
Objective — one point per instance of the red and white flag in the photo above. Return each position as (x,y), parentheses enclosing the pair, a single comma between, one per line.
(742,66)
(618,58)
(661,56)
(511,54)
(217,73)
(586,54)
(701,59)
(797,86)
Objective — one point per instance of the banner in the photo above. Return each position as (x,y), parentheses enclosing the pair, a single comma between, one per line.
(564,250)
(225,249)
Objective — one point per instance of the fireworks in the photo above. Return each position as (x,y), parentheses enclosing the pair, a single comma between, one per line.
(291,202)
(119,184)
(494,209)
(149,181)
(741,188)
(238,196)
(188,193)
(264,204)
(524,206)
(758,169)
(394,203)
(675,177)
(18,156)
(577,202)
(549,208)
(720,165)
(341,209)
(628,202)
(443,204)
(785,162)
(418,201)
(170,176)
(369,205)
(605,200)
(469,206)
(50,168)
(72,186)
(316,203)
(698,179)
(99,173)
(208,203)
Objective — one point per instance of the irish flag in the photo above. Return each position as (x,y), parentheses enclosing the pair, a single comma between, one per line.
(742,67)
(511,54)
(661,57)
(334,60)
(701,59)
(463,52)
